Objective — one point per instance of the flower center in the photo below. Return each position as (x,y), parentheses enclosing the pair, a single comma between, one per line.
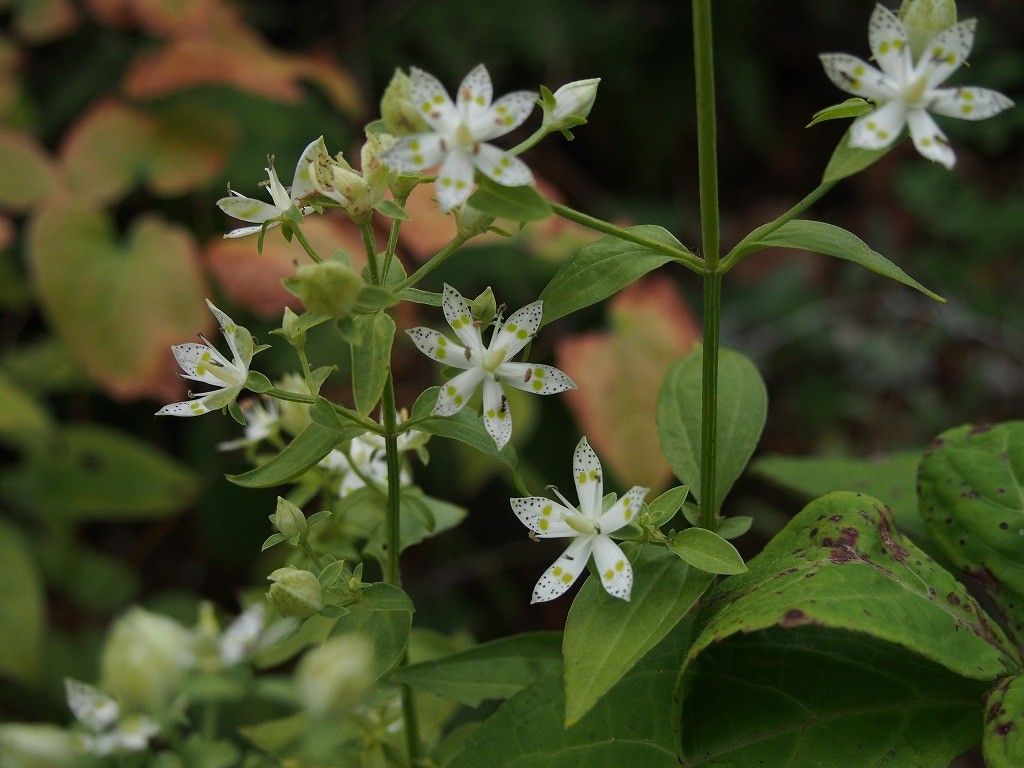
(464,138)
(914,90)
(493,359)
(581,525)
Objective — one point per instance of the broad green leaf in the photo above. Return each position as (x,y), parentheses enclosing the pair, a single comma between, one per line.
(812,697)
(418,296)
(734,527)
(392,210)
(606,637)
(891,479)
(830,240)
(628,728)
(273,736)
(852,107)
(495,670)
(840,563)
(1003,742)
(44,366)
(294,460)
(664,508)
(22,609)
(365,510)
(847,160)
(514,203)
(371,359)
(89,472)
(466,426)
(707,551)
(742,409)
(383,614)
(24,423)
(91,579)
(971,484)
(602,268)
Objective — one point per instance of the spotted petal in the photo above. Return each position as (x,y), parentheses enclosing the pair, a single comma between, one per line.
(613,567)
(239,338)
(437,346)
(246,209)
(505,115)
(455,393)
(195,360)
(564,571)
(497,415)
(853,75)
(948,50)
(304,181)
(880,128)
(432,101)
(535,378)
(415,153)
(520,327)
(454,180)
(887,38)
(246,231)
(504,167)
(969,103)
(929,139)
(544,517)
(622,512)
(460,317)
(589,479)
(475,93)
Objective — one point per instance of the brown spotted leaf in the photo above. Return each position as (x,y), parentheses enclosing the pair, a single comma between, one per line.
(118,304)
(1003,744)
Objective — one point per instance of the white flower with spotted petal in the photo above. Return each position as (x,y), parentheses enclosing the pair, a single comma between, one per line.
(204,363)
(262,419)
(313,175)
(459,135)
(366,460)
(109,732)
(588,526)
(906,91)
(490,365)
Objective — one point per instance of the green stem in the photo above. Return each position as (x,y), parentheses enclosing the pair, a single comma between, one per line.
(307,373)
(297,230)
(389,254)
(435,261)
(530,141)
(366,230)
(684,257)
(707,160)
(311,554)
(345,413)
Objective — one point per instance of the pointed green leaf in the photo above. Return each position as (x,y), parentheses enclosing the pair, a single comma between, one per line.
(848,160)
(515,203)
(664,508)
(852,107)
(707,551)
(371,359)
(295,459)
(383,614)
(466,426)
(22,608)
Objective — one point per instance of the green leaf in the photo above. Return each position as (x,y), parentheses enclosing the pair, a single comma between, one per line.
(392,210)
(89,472)
(373,298)
(811,697)
(830,240)
(1003,742)
(465,426)
(495,670)
(273,736)
(891,479)
(602,268)
(295,459)
(371,359)
(971,483)
(23,422)
(852,107)
(383,614)
(840,563)
(742,409)
(313,631)
(628,728)
(848,160)
(707,551)
(21,609)
(734,527)
(606,637)
(515,203)
(365,510)
(664,508)
(418,296)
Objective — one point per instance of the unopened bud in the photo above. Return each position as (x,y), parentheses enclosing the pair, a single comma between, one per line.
(335,676)
(924,19)
(294,417)
(485,306)
(295,592)
(397,110)
(329,288)
(572,103)
(288,519)
(472,222)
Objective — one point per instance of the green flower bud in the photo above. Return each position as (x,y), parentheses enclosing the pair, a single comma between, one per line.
(400,115)
(485,306)
(294,417)
(36,746)
(924,19)
(572,103)
(329,288)
(288,519)
(335,676)
(144,659)
(295,592)
(472,222)
(291,330)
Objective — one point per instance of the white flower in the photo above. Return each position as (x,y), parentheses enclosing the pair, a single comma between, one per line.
(240,638)
(261,421)
(101,715)
(488,365)
(573,102)
(905,92)
(365,188)
(460,133)
(204,363)
(312,176)
(588,527)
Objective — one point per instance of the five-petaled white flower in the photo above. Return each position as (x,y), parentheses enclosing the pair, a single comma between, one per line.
(460,135)
(313,175)
(109,732)
(262,419)
(490,364)
(204,363)
(369,459)
(905,92)
(588,526)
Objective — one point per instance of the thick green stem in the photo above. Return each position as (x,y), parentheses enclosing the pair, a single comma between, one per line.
(366,230)
(707,159)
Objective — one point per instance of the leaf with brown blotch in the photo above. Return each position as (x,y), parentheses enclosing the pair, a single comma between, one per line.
(619,373)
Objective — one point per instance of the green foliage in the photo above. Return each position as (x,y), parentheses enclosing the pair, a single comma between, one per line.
(514,203)
(465,426)
(382,614)
(848,160)
(295,459)
(371,359)
(1003,743)
(707,551)
(22,609)
(852,107)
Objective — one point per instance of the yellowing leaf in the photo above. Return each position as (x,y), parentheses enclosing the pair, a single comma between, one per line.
(104,154)
(28,174)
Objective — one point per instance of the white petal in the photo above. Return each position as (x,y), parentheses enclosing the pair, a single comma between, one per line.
(544,517)
(888,40)
(239,640)
(929,139)
(415,153)
(532,377)
(475,94)
(613,567)
(277,191)
(460,317)
(948,50)
(454,181)
(304,181)
(247,209)
(968,103)
(521,326)
(91,707)
(454,394)
(246,231)
(879,128)
(622,512)
(184,408)
(432,101)
(503,167)
(195,360)
(564,571)
(497,415)
(856,76)
(229,328)
(507,114)
(589,479)
(437,346)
